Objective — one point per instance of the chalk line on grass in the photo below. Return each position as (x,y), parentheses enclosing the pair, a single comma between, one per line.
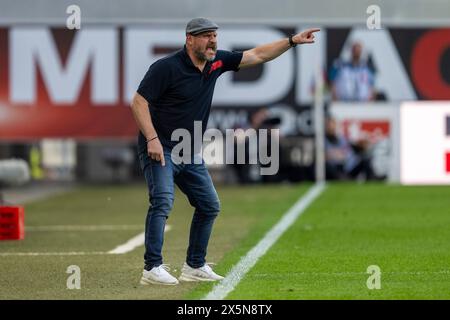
(227,285)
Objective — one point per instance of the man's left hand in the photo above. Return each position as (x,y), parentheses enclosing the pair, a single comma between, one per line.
(306,36)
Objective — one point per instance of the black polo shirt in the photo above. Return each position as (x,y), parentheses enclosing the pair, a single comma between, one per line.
(178,93)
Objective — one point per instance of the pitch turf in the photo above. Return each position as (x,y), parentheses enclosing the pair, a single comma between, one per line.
(324,255)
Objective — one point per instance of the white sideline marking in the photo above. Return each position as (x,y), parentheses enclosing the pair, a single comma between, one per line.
(84,228)
(128,246)
(222,289)
(133,243)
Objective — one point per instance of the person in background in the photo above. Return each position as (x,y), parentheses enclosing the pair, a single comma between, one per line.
(352,80)
(259,119)
(344,160)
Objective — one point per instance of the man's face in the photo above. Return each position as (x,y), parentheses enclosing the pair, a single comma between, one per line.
(204,45)
(356,51)
(330,126)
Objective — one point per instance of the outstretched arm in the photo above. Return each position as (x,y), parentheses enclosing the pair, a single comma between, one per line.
(272,50)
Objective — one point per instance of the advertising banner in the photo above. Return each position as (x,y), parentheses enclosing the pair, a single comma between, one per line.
(425,143)
(60,83)
(377,124)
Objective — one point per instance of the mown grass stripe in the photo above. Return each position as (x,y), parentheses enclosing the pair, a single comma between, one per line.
(227,285)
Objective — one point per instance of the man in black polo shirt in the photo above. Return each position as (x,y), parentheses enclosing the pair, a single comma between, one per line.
(177,91)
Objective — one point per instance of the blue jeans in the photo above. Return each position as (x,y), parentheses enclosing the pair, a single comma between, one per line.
(194,181)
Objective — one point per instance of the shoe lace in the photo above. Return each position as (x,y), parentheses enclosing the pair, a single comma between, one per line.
(208,265)
(164,266)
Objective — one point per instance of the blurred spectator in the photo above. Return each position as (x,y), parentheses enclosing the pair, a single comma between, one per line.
(247,172)
(118,158)
(352,80)
(345,160)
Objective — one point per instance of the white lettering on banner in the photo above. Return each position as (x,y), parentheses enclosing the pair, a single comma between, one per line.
(275,81)
(32,47)
(391,77)
(139,55)
(291,121)
(97,48)
(138,52)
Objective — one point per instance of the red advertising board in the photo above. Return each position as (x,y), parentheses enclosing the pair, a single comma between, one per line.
(62,83)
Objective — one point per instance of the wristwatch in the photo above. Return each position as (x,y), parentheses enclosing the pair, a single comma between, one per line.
(291,42)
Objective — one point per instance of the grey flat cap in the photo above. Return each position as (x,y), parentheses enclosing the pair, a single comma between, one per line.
(199,25)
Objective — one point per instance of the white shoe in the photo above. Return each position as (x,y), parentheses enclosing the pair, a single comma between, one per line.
(204,273)
(158,275)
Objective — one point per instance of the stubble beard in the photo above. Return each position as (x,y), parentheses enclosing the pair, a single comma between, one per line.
(203,57)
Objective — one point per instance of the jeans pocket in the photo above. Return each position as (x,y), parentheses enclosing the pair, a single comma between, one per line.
(144,159)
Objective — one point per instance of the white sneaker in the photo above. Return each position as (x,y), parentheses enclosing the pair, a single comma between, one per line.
(158,275)
(204,273)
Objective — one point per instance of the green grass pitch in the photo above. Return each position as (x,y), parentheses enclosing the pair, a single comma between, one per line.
(323,255)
